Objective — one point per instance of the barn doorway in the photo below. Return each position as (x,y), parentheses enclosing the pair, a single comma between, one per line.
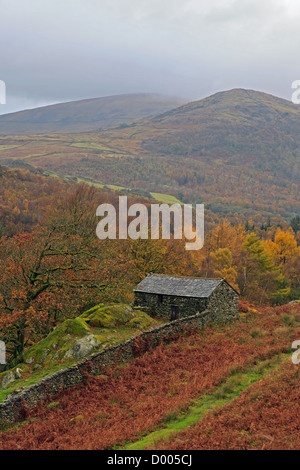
(174,312)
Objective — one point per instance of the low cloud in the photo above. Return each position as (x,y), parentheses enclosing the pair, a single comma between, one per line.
(58,51)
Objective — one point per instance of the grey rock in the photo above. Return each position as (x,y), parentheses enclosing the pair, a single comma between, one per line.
(44,355)
(85,346)
(69,354)
(7,379)
(29,360)
(18,373)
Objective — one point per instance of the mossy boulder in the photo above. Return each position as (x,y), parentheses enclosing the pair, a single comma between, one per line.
(76,326)
(54,346)
(112,316)
(79,333)
(74,339)
(141,321)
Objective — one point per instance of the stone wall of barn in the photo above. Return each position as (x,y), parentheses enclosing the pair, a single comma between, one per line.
(223,303)
(161,306)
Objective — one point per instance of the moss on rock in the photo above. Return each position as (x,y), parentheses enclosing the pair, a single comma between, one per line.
(58,345)
(141,321)
(110,316)
(55,345)
(98,328)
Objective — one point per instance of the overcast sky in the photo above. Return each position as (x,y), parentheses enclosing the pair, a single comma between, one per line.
(62,50)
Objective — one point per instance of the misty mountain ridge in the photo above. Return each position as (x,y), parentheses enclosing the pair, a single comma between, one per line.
(86,115)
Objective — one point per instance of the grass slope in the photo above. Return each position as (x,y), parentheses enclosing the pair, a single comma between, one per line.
(225,393)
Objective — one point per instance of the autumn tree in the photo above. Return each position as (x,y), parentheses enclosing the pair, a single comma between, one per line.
(54,271)
(286,254)
(223,266)
(159,256)
(258,277)
(284,246)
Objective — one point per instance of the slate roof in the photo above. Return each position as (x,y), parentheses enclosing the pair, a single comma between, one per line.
(181,286)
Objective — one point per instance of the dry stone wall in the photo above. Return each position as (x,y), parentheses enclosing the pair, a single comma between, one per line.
(14,407)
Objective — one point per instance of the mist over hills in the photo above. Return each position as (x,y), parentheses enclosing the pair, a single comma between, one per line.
(86,115)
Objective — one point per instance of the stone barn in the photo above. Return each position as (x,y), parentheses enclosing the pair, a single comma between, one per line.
(176,297)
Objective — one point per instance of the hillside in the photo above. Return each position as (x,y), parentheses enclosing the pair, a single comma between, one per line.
(85,115)
(27,197)
(74,339)
(231,386)
(237,152)
(237,126)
